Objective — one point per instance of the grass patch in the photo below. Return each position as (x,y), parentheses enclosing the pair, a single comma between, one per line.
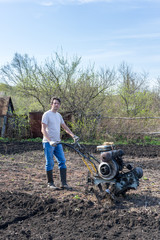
(119,140)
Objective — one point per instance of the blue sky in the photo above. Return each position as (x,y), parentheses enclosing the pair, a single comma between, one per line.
(103,32)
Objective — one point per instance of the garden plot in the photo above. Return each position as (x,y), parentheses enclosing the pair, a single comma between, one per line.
(29,210)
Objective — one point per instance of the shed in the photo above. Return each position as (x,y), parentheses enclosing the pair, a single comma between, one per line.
(35,124)
(6,110)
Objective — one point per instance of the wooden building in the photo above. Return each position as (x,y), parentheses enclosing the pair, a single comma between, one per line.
(6,110)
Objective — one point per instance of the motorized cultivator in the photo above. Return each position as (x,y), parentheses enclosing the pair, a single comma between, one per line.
(109,172)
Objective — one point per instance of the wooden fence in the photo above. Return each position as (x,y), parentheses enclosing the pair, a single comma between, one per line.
(131,127)
(107,126)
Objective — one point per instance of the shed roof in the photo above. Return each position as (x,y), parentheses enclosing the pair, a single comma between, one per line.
(4,103)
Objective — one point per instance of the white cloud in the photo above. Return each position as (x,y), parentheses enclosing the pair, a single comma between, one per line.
(102,56)
(47,4)
(107,1)
(65,2)
(9,1)
(90,1)
(17,1)
(139,36)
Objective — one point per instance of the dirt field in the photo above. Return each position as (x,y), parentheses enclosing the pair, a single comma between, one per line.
(29,210)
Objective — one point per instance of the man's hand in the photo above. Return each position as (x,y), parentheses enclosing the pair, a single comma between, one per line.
(75,138)
(53,144)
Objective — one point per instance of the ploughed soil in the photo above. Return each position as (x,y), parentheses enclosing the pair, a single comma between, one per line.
(29,210)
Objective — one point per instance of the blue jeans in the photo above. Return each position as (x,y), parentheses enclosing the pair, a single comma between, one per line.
(50,152)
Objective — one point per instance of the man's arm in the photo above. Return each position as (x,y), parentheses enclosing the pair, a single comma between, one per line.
(66,128)
(44,132)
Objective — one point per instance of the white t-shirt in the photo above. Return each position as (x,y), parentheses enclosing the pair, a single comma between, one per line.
(53,121)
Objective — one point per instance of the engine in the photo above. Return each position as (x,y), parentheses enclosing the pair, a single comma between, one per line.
(115,173)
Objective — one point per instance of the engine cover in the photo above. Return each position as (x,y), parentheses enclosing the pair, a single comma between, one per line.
(108,170)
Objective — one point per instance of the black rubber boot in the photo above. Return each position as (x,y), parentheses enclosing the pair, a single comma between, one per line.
(50,180)
(64,185)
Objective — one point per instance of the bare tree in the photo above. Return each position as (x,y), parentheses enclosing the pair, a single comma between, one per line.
(156,97)
(158,85)
(78,88)
(24,74)
(82,90)
(132,90)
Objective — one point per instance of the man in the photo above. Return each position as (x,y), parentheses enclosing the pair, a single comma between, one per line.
(52,122)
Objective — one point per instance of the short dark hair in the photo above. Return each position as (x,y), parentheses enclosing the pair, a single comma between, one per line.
(55,98)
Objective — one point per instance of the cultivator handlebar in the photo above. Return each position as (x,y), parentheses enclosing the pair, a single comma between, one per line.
(89,160)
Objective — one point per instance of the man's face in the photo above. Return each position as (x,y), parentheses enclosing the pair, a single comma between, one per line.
(55,105)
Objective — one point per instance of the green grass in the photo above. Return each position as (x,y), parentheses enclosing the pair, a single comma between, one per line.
(144,141)
(119,141)
(152,140)
(21,140)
